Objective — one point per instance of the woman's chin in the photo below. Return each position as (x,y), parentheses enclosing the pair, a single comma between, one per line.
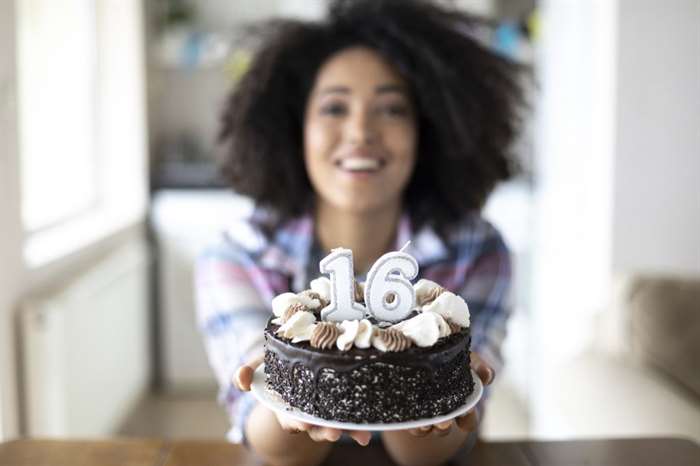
(361,205)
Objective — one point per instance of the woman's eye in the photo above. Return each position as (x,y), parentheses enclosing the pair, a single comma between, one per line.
(395,110)
(334,109)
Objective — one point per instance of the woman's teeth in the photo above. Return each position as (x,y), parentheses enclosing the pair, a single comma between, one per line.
(360,164)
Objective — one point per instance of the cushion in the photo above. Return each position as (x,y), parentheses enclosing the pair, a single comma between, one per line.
(664,315)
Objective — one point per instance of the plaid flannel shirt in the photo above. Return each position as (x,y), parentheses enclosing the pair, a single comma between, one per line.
(237,278)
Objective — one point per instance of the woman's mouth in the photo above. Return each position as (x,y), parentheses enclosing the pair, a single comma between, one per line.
(360,164)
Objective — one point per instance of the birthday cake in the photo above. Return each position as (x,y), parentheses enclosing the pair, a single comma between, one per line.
(381,352)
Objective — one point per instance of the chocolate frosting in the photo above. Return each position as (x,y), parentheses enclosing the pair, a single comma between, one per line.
(445,350)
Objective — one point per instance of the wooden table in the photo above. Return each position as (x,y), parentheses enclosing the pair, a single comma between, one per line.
(138,452)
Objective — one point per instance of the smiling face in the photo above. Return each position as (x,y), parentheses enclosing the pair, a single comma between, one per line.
(359,133)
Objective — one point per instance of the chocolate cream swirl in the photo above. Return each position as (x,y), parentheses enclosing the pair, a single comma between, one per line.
(391,340)
(325,335)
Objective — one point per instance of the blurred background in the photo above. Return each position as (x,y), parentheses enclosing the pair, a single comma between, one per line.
(109,188)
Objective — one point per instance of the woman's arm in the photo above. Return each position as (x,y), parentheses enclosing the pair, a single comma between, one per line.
(279,446)
(231,316)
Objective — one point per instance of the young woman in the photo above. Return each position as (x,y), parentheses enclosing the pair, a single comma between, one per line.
(386,122)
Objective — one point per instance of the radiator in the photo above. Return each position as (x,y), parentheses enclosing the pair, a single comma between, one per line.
(86,348)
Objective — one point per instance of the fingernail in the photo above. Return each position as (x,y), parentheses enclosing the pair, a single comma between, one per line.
(492,374)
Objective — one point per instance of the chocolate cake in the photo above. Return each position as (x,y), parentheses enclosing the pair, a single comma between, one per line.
(368,371)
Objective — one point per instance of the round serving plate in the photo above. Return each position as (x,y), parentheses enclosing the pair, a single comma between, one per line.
(273,401)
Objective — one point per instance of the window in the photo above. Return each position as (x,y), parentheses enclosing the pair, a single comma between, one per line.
(81,122)
(58,70)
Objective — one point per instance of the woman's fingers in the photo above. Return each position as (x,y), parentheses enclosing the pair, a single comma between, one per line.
(243,378)
(443,428)
(327,434)
(469,422)
(483,370)
(361,437)
(292,425)
(318,433)
(324,434)
(244,375)
(421,431)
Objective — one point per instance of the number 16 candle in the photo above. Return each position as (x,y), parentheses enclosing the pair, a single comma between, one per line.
(389,295)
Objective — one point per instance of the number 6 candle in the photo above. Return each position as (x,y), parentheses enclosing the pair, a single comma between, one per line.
(388,277)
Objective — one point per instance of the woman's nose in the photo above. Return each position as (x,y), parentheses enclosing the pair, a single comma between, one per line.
(361,128)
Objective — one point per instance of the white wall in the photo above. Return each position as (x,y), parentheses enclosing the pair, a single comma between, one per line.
(656,221)
(10,259)
(85,342)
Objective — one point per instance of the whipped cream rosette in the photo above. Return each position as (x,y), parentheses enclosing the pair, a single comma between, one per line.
(299,327)
(441,313)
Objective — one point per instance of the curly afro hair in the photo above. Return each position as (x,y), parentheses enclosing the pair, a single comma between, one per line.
(467,98)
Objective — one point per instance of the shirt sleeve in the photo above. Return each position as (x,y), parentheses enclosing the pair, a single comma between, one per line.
(231,316)
(486,289)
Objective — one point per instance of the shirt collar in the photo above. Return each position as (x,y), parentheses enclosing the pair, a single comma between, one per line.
(426,245)
(290,248)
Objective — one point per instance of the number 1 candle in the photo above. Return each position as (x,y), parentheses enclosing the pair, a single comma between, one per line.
(342,306)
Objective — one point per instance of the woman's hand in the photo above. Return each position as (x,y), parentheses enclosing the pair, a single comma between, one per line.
(244,377)
(468,422)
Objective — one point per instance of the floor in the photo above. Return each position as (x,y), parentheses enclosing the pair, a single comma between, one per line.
(506,414)
(177,416)
(197,416)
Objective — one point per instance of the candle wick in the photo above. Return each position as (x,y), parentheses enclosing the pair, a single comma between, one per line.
(405,246)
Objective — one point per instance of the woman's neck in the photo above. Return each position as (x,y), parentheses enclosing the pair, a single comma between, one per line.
(368,235)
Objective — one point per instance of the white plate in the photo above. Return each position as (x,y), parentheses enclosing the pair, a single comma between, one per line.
(272,400)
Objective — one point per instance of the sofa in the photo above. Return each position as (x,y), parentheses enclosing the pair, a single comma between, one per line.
(641,376)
